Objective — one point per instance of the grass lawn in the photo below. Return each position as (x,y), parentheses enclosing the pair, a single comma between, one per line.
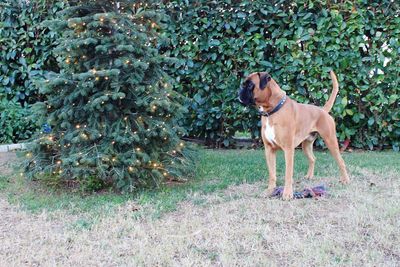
(219,218)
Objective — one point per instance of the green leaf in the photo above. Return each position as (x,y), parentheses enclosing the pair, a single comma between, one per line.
(198,99)
(241,15)
(214,42)
(371,121)
(344,101)
(6,81)
(266,63)
(264,11)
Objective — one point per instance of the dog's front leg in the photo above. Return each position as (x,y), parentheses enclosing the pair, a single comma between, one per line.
(270,156)
(288,188)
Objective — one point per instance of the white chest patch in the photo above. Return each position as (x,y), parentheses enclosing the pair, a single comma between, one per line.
(269,132)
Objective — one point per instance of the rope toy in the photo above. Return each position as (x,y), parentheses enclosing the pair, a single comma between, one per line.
(314,192)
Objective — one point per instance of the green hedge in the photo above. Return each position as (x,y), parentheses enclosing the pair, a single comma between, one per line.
(25,55)
(219,42)
(26,45)
(16,122)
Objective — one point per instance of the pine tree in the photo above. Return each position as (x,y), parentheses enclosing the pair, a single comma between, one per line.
(111,108)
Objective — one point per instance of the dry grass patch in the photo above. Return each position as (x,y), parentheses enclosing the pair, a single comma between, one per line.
(356,225)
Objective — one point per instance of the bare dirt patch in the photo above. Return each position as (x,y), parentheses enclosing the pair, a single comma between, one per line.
(6,162)
(355,225)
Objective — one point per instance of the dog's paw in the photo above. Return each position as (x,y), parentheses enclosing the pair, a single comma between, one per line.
(287,194)
(345,180)
(267,192)
(270,190)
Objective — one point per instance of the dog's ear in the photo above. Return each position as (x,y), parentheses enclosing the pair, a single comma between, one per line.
(264,79)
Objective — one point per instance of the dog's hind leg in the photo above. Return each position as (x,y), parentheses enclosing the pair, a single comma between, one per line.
(307,146)
(328,133)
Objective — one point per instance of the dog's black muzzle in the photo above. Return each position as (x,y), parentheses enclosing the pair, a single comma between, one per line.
(246,97)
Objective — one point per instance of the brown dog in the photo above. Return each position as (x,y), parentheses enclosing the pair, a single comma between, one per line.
(285,124)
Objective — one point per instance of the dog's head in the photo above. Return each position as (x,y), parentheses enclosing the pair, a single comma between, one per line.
(253,90)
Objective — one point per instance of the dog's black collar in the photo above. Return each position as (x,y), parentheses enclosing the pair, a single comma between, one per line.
(278,107)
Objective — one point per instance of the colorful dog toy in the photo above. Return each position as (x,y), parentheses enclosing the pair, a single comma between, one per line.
(317,191)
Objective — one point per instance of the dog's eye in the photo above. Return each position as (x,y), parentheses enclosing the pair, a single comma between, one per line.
(250,86)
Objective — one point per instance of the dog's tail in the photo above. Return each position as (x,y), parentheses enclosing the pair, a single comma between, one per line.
(335,89)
